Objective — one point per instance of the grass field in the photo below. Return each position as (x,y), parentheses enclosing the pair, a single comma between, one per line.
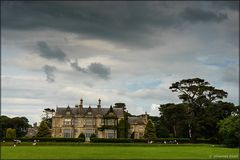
(118,151)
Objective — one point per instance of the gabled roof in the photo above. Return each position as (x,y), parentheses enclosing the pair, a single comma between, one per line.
(110,113)
(136,120)
(95,111)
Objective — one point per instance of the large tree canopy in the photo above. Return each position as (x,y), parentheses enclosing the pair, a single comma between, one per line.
(197,91)
(20,124)
(198,94)
(174,116)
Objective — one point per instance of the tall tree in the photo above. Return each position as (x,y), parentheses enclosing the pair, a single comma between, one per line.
(18,123)
(213,113)
(175,116)
(5,122)
(120,105)
(21,125)
(198,94)
(161,128)
(150,131)
(47,116)
(48,113)
(43,130)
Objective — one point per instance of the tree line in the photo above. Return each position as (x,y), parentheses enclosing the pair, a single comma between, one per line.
(201,114)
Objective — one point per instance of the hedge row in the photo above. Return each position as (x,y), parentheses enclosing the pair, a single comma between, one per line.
(113,140)
(46,139)
(212,140)
(158,140)
(117,140)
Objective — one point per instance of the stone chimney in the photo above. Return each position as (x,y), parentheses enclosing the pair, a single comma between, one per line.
(99,103)
(81,104)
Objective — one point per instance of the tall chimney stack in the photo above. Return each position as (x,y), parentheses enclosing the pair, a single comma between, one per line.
(99,103)
(81,103)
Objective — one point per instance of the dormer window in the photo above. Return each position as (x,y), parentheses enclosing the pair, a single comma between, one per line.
(67,121)
(89,122)
(110,122)
(67,113)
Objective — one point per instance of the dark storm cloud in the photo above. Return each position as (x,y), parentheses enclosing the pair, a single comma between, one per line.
(232,5)
(95,68)
(100,70)
(49,70)
(47,52)
(199,15)
(121,22)
(56,53)
(76,66)
(127,23)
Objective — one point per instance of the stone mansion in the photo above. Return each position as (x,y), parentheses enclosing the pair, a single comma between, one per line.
(103,122)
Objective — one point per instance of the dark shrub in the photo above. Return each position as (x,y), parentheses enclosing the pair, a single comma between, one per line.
(212,140)
(93,136)
(82,136)
(140,140)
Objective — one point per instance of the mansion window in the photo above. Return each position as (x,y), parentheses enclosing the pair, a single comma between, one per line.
(110,122)
(136,135)
(89,132)
(76,122)
(67,122)
(110,133)
(141,128)
(89,122)
(67,133)
(68,113)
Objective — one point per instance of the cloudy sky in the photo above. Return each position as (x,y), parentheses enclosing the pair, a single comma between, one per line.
(54,53)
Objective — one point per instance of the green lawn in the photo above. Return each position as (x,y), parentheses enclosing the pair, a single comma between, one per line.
(118,151)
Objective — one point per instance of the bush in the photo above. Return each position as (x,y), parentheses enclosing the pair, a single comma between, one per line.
(47,139)
(93,136)
(140,140)
(229,130)
(112,140)
(212,140)
(82,136)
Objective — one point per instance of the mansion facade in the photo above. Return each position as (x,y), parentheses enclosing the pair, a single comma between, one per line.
(103,122)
